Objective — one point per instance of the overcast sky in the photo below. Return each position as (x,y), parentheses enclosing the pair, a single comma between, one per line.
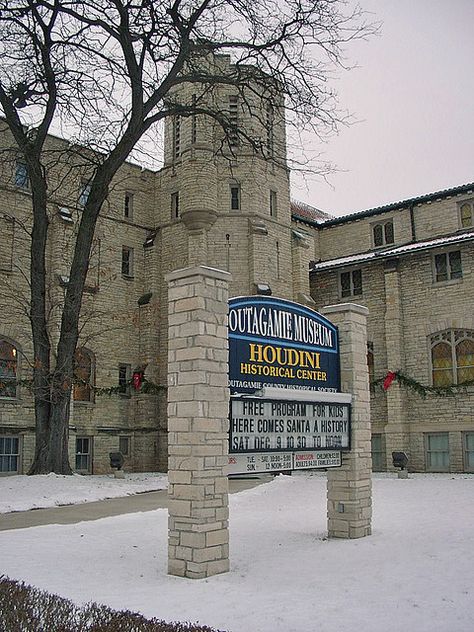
(413,93)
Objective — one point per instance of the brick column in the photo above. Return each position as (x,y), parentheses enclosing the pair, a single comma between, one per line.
(349,487)
(198,410)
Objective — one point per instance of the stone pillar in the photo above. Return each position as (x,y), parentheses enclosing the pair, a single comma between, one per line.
(198,410)
(349,487)
(396,436)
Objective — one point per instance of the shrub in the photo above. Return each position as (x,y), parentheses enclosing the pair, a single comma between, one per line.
(27,609)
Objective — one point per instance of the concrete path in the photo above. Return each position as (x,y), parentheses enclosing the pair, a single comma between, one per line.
(69,514)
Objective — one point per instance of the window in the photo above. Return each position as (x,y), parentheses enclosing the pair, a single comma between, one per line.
(127,261)
(9,454)
(7,243)
(378,454)
(175,205)
(270,116)
(233,120)
(351,283)
(83,375)
(273,203)
(84,454)
(466,213)
(437,452)
(176,136)
(22,179)
(194,121)
(235,198)
(371,365)
(452,357)
(448,266)
(383,233)
(124,445)
(84,193)
(8,369)
(128,206)
(468,442)
(124,379)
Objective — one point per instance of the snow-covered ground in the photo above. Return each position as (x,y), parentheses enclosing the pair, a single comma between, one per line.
(414,574)
(18,493)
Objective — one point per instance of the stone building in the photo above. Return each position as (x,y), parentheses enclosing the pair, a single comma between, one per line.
(410,263)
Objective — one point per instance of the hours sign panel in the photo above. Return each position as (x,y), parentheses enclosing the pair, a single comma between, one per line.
(274,342)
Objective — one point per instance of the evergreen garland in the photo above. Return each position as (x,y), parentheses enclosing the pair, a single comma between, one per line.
(421,389)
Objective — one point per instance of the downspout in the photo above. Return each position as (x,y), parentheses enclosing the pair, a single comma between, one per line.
(412,223)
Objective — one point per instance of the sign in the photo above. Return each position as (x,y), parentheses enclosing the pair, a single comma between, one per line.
(280,461)
(275,342)
(266,425)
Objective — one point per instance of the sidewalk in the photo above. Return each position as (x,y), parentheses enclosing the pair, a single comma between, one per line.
(69,514)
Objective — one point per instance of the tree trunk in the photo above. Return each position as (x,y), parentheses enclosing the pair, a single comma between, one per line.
(52,436)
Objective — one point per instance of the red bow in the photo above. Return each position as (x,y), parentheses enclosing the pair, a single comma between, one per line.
(388,380)
(137,380)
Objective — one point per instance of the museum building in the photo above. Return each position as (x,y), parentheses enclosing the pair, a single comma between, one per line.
(411,263)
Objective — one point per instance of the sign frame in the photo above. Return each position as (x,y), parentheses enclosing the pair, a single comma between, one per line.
(276,342)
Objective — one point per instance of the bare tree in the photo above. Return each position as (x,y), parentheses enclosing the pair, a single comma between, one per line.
(103,72)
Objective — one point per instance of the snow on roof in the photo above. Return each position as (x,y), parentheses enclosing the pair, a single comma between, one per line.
(305,212)
(391,252)
(403,204)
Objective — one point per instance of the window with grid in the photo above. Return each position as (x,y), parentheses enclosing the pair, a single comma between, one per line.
(194,121)
(128,206)
(175,205)
(452,357)
(378,455)
(273,203)
(468,442)
(383,233)
(9,454)
(269,124)
(127,261)
(176,136)
(22,178)
(350,283)
(466,214)
(84,454)
(124,376)
(448,266)
(84,193)
(8,369)
(233,120)
(437,451)
(124,445)
(235,198)
(84,374)
(371,365)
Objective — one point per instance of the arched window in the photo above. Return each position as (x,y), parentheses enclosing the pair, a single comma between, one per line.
(465,360)
(83,375)
(8,369)
(452,357)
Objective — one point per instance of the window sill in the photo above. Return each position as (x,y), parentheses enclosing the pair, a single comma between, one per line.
(86,404)
(446,283)
(128,277)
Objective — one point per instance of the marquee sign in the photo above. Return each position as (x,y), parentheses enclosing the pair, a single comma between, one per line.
(276,425)
(275,342)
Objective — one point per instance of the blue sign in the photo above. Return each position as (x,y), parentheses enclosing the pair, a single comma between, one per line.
(275,342)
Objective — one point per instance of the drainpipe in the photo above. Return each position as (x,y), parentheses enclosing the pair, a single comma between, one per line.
(412,222)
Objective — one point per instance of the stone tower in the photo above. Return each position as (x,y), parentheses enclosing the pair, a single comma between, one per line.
(229,202)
